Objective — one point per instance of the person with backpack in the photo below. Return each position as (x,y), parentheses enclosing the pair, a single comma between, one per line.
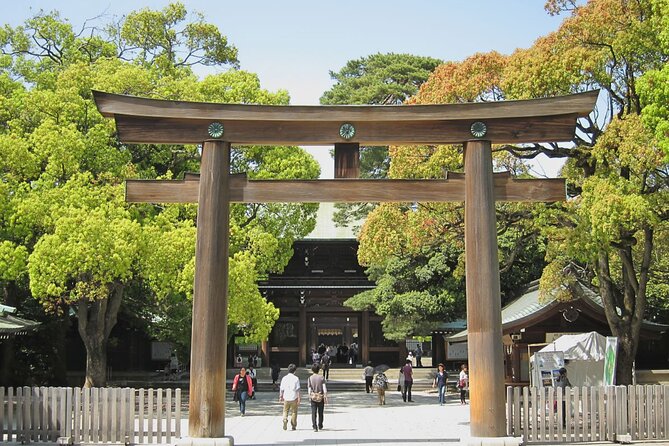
(325,365)
(242,389)
(381,384)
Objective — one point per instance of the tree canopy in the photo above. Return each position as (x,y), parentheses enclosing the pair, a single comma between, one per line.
(64,223)
(613,228)
(378,79)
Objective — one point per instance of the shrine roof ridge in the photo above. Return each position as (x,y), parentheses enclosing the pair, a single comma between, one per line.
(112,105)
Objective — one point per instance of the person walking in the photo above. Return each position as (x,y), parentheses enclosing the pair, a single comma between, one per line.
(289,395)
(440,383)
(318,395)
(368,374)
(275,370)
(325,365)
(381,384)
(562,382)
(407,372)
(252,373)
(419,355)
(242,388)
(463,383)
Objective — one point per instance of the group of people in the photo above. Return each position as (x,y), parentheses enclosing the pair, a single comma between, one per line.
(252,359)
(441,379)
(416,354)
(342,354)
(289,393)
(244,384)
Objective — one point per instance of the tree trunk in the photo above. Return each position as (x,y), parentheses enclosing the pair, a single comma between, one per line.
(627,347)
(95,321)
(626,307)
(96,362)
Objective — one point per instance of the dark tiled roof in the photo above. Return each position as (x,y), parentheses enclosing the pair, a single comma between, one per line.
(529,305)
(11,325)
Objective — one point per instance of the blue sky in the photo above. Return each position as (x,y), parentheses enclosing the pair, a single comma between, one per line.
(294,44)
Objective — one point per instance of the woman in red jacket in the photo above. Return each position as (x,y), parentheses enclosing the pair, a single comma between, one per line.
(242,388)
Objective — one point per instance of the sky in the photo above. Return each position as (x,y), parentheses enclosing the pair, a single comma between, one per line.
(293,45)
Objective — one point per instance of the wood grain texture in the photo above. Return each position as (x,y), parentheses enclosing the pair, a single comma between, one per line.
(347,160)
(132,129)
(484,312)
(210,296)
(113,105)
(344,190)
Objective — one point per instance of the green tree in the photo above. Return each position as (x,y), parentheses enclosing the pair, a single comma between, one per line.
(652,84)
(420,236)
(379,79)
(62,171)
(615,165)
(614,228)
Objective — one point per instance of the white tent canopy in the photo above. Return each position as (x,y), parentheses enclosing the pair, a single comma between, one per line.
(584,357)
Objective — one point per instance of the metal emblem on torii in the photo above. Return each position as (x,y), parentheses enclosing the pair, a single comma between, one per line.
(217,126)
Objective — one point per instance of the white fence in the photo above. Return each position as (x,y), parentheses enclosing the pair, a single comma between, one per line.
(109,415)
(614,413)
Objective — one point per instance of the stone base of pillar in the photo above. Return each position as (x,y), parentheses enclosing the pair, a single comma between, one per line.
(492,441)
(191,441)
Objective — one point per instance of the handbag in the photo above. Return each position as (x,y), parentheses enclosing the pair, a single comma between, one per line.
(399,388)
(316,397)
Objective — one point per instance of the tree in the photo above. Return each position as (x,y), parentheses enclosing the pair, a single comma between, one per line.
(654,96)
(86,263)
(383,79)
(62,170)
(615,167)
(379,79)
(415,251)
(608,233)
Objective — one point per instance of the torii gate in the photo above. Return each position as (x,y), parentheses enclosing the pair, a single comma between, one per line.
(217,126)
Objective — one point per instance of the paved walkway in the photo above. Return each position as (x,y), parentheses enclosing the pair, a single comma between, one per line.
(352,418)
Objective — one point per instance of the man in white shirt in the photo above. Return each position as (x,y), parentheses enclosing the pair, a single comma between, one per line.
(289,394)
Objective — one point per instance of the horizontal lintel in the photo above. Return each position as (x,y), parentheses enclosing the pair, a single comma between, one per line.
(243,190)
(113,105)
(139,130)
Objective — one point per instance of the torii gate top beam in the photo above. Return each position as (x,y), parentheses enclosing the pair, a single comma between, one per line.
(141,120)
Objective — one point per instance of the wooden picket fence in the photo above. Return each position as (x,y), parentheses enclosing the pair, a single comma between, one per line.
(612,413)
(97,415)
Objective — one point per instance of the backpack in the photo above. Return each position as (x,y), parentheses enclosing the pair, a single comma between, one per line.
(325,360)
(381,381)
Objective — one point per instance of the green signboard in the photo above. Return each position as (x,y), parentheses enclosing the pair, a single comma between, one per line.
(610,361)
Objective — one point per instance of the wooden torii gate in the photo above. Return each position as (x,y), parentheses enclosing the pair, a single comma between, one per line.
(217,126)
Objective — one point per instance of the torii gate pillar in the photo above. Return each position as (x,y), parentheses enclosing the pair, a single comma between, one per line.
(210,295)
(484,312)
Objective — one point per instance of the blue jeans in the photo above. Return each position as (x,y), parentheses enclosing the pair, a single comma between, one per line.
(243,396)
(442,394)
